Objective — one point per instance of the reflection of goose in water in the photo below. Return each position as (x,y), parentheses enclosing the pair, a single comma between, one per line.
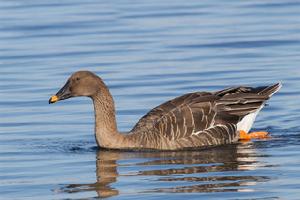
(106,173)
(213,170)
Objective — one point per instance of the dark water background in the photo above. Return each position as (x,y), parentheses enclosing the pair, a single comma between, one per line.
(147,52)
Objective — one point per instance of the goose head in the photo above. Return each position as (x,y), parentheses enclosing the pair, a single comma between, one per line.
(81,83)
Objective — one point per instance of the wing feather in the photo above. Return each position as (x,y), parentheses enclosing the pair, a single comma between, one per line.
(180,117)
(216,135)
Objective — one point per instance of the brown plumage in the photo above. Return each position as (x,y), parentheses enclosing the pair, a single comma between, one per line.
(194,120)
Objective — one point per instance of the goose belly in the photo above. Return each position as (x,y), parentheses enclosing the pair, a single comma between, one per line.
(246,123)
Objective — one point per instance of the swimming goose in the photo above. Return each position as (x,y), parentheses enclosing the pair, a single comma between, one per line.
(193,120)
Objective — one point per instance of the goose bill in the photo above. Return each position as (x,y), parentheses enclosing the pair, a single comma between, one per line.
(63,93)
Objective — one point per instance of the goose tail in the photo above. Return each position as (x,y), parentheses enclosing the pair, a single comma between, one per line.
(270,90)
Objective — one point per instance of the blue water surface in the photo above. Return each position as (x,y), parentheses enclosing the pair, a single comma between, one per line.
(147,52)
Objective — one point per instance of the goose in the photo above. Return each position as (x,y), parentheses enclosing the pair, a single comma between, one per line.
(193,120)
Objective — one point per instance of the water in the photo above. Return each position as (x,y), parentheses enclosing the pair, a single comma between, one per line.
(147,52)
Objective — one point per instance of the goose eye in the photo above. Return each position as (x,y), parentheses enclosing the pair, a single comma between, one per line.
(77,79)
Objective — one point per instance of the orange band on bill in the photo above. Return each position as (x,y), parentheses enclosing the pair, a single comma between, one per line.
(54,99)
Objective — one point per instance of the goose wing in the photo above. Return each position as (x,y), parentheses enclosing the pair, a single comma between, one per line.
(182,117)
(201,118)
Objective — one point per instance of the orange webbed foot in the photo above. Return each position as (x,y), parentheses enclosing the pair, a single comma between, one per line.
(253,135)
